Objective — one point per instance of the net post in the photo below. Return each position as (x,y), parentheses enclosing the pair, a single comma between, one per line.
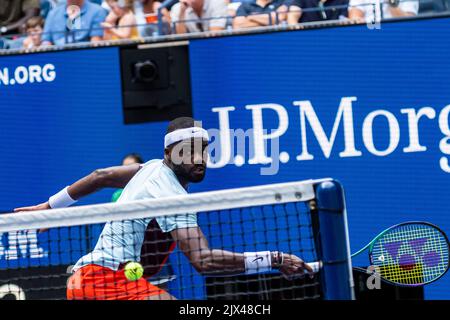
(334,246)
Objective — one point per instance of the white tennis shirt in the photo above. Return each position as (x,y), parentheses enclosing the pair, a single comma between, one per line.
(121,241)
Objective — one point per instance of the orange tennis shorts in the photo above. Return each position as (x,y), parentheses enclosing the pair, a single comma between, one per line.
(94,282)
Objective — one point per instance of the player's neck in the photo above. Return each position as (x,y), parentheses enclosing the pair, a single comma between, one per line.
(183,181)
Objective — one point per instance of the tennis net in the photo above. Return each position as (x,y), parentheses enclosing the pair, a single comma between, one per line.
(85,252)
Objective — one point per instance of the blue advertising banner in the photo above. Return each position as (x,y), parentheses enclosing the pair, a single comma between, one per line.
(368,107)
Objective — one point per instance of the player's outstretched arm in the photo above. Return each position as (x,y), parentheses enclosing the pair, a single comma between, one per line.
(206,261)
(113,177)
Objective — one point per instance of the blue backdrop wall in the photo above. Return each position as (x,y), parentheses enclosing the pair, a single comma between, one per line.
(61,117)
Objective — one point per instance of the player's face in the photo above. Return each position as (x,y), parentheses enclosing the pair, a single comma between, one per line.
(189,159)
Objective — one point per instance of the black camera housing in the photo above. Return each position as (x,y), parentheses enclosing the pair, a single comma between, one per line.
(155,83)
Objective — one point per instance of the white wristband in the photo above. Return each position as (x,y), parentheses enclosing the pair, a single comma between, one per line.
(61,200)
(257,262)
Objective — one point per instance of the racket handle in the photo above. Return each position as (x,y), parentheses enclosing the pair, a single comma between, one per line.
(316,266)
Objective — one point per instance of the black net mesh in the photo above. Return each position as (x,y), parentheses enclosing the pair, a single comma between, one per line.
(184,263)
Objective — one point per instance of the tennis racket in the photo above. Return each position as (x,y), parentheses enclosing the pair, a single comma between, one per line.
(409,254)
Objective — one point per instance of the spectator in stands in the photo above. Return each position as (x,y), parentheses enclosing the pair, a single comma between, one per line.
(146,12)
(132,158)
(14,15)
(260,13)
(121,21)
(363,10)
(232,7)
(199,14)
(77,21)
(34,29)
(47,5)
(324,10)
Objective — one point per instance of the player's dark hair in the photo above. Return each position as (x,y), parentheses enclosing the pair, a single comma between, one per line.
(137,157)
(182,123)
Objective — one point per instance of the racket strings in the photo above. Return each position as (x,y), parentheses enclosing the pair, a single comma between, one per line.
(411,254)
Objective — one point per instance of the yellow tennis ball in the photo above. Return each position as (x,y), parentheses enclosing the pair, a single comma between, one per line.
(133,271)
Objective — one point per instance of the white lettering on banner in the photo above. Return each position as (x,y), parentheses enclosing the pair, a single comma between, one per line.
(22,75)
(413,125)
(49,73)
(259,136)
(394,132)
(240,138)
(222,142)
(4,76)
(345,112)
(223,139)
(444,145)
(35,74)
(21,244)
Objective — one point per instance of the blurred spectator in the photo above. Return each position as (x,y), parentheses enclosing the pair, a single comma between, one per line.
(146,12)
(131,158)
(14,15)
(363,10)
(232,7)
(34,28)
(199,14)
(47,5)
(77,21)
(121,21)
(322,12)
(256,14)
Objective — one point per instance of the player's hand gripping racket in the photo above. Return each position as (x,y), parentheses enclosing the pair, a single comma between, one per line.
(408,254)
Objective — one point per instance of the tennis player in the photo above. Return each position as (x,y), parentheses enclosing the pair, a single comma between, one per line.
(100,274)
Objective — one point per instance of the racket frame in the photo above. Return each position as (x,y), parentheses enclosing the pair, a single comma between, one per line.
(371,245)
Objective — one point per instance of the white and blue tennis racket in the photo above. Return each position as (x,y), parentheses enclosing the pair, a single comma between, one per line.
(409,254)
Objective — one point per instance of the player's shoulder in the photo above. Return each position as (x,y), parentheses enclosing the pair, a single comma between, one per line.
(166,181)
(157,173)
(151,169)
(153,162)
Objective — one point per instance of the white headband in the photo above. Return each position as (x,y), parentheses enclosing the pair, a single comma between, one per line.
(183,134)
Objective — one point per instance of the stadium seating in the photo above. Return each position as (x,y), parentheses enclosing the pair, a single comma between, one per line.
(433,6)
